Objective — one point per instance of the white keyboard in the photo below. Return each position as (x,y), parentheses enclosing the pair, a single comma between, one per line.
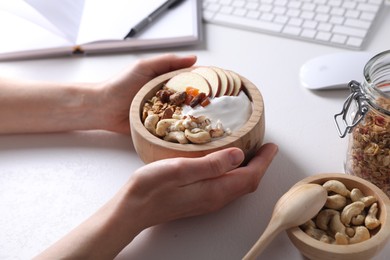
(339,23)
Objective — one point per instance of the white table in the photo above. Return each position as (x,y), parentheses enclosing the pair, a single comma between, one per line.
(49,183)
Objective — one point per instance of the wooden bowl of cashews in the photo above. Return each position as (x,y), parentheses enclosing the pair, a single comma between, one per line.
(353,224)
(150,147)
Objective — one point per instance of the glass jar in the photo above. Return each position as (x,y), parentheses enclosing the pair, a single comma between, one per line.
(366,118)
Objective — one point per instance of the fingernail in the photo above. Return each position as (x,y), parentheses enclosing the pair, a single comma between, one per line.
(236,156)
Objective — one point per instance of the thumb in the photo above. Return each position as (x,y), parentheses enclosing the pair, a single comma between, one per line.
(212,165)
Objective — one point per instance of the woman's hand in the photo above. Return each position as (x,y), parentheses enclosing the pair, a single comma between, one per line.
(119,91)
(37,107)
(182,187)
(160,192)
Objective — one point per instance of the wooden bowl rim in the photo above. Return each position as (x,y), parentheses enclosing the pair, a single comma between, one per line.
(135,115)
(380,237)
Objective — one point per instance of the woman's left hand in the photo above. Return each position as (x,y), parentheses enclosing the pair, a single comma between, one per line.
(119,91)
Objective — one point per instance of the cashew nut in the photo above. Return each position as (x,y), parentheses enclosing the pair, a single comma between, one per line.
(350,211)
(361,234)
(323,218)
(359,219)
(177,126)
(341,239)
(197,136)
(176,136)
(327,239)
(336,201)
(371,221)
(163,126)
(337,187)
(308,224)
(315,233)
(349,231)
(150,123)
(357,195)
(335,225)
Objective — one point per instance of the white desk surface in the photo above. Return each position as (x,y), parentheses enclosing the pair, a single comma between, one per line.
(49,183)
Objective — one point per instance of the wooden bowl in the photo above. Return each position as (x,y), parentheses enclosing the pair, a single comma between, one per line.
(151,148)
(314,249)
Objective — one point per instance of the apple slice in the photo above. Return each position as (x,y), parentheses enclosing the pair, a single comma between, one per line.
(224,81)
(189,79)
(231,83)
(212,77)
(237,83)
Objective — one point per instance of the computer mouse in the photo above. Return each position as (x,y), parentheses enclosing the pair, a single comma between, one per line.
(333,71)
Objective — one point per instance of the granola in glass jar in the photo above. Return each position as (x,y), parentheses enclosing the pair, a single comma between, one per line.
(368,153)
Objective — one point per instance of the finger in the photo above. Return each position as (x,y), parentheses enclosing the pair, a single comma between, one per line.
(246,179)
(153,67)
(210,166)
(213,194)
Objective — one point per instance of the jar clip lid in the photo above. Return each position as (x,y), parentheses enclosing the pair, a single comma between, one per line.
(358,98)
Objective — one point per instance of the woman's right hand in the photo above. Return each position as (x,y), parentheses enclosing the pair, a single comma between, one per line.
(183,187)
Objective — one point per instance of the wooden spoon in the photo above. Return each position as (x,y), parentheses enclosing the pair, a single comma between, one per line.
(295,207)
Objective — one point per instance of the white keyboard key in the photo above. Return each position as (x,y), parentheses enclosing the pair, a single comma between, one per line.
(349,4)
(307,15)
(357,23)
(367,16)
(334,2)
(337,20)
(310,24)
(293,12)
(327,27)
(281,19)
(253,14)
(295,22)
(323,36)
(338,38)
(308,33)
(352,14)
(281,2)
(213,7)
(226,9)
(322,17)
(238,3)
(252,5)
(292,30)
(375,2)
(265,8)
(349,31)
(367,7)
(294,4)
(279,10)
(273,27)
(323,9)
(239,12)
(354,41)
(337,11)
(267,17)
(308,7)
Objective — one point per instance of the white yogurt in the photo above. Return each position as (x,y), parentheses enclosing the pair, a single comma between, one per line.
(232,111)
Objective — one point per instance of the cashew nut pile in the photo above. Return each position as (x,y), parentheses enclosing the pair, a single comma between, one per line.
(162,117)
(347,217)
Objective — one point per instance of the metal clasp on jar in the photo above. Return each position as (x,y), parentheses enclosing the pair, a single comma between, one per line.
(358,99)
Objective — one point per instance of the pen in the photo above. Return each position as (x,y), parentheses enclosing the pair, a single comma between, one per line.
(151,17)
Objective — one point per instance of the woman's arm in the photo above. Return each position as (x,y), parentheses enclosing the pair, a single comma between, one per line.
(160,192)
(33,107)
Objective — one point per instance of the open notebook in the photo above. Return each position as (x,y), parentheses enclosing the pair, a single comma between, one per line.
(41,28)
